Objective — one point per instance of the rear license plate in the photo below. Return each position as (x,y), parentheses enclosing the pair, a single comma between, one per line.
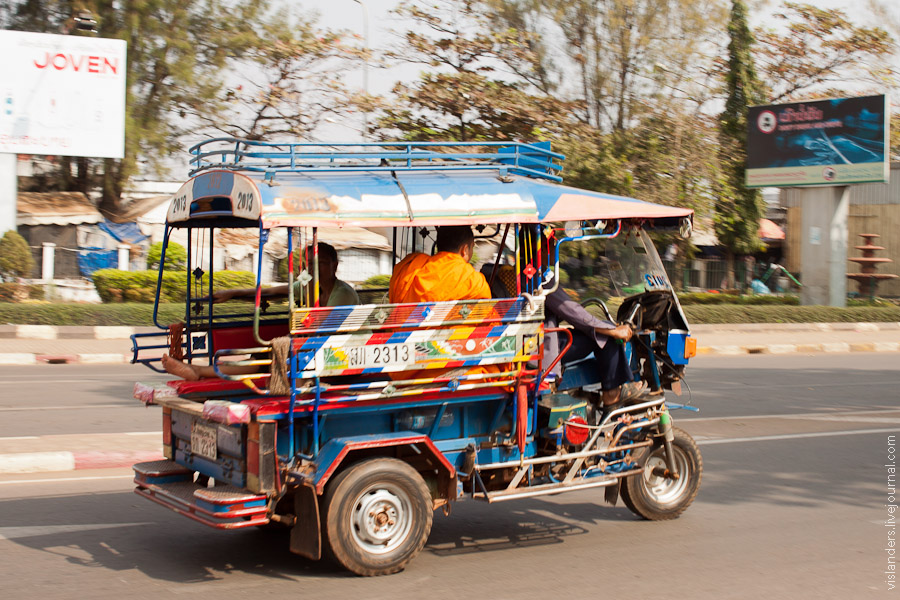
(203,440)
(380,355)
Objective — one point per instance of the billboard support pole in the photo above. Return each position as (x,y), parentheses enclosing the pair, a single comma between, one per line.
(823,250)
(8,192)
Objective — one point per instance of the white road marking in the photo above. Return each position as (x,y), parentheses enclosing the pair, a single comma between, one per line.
(13,533)
(810,415)
(791,436)
(64,479)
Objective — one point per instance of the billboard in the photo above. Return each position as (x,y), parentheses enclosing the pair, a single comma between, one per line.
(823,142)
(62,95)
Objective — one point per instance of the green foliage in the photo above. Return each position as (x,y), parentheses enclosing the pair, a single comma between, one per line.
(15,256)
(730,313)
(11,291)
(176,256)
(737,207)
(376,281)
(67,314)
(695,298)
(140,286)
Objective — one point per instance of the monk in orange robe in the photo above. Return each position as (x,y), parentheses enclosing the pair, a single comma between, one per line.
(445,276)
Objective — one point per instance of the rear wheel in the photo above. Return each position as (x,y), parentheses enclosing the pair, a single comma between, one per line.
(659,498)
(378,515)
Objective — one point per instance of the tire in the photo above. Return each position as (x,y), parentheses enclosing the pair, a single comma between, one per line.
(656,498)
(378,514)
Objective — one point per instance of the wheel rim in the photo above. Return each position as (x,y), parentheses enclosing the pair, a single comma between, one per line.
(662,490)
(381,519)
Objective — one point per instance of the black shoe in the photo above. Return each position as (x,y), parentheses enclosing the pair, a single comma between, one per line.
(608,408)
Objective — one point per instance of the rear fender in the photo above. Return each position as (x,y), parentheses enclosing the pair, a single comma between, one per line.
(415,448)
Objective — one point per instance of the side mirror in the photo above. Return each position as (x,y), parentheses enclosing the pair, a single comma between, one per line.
(687,228)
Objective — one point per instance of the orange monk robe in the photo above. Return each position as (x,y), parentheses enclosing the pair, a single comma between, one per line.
(439,278)
(443,277)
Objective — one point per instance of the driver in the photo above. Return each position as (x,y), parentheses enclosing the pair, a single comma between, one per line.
(591,335)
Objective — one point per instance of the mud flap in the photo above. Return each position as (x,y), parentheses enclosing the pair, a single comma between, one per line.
(306,534)
(612,493)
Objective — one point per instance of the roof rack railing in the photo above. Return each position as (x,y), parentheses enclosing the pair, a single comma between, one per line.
(534,160)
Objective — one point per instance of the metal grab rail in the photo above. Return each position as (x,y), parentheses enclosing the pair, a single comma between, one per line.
(280,157)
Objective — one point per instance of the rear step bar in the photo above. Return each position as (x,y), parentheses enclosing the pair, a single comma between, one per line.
(223,507)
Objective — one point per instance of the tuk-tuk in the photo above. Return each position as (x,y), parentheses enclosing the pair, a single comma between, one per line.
(357,422)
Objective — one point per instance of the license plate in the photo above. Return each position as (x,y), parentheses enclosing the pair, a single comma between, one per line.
(203,440)
(380,355)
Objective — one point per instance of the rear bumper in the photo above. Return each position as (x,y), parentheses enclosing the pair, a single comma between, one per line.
(222,507)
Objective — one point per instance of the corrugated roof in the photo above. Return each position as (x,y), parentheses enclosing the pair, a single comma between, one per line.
(55,208)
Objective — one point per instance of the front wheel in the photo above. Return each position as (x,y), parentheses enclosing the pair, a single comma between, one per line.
(659,498)
(378,514)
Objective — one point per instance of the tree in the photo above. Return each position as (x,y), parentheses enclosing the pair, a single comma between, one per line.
(468,96)
(176,55)
(737,208)
(618,54)
(817,50)
(292,81)
(15,256)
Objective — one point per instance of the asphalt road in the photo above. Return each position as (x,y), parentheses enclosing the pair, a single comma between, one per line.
(793,505)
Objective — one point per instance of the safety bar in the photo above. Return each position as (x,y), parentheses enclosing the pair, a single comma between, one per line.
(599,236)
(278,157)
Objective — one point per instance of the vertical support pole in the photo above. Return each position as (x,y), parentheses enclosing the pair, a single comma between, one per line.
(823,248)
(48,256)
(187,304)
(315,266)
(8,192)
(212,270)
(123,256)
(290,257)
(518,264)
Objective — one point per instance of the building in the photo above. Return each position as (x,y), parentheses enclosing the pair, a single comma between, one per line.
(874,208)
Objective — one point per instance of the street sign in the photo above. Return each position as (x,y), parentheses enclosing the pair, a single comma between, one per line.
(824,142)
(62,95)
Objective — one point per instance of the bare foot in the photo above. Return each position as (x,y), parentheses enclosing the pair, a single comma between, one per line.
(179,369)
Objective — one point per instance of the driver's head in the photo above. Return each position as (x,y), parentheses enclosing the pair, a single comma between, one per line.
(457,239)
(328,261)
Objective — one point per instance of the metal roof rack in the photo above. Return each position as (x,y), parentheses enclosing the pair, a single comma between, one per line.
(271,158)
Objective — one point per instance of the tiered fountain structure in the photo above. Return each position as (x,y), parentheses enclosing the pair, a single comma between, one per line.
(869,278)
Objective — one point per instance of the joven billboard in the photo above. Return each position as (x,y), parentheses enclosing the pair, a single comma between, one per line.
(824,142)
(62,95)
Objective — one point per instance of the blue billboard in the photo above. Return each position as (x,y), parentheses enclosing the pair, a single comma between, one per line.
(823,142)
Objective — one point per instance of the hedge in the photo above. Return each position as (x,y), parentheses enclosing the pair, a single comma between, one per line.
(128,314)
(725,313)
(141,315)
(114,285)
(692,298)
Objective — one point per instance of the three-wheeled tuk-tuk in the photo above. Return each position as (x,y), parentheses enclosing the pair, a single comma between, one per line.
(351,424)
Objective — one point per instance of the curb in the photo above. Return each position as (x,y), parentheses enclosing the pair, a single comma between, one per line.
(71,332)
(21,358)
(46,462)
(831,347)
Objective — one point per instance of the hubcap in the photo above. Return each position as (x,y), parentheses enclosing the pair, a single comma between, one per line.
(662,490)
(381,519)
